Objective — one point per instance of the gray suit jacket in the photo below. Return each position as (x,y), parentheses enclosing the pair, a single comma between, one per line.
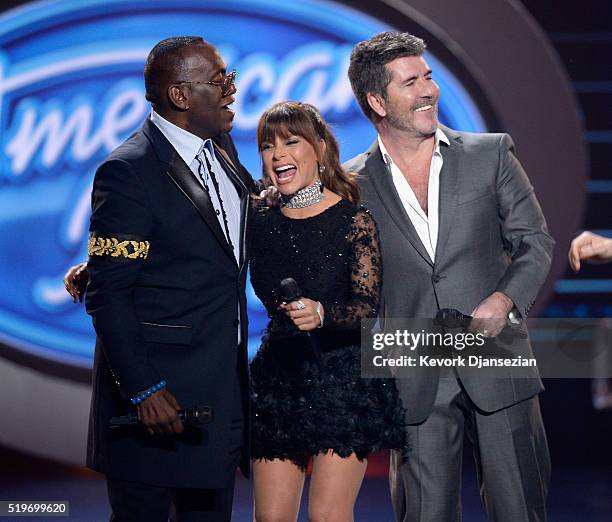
(492,236)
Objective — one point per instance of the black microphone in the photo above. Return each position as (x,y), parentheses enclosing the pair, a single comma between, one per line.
(453,318)
(290,291)
(199,414)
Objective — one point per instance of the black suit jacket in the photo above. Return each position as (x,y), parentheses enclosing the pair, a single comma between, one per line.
(164,294)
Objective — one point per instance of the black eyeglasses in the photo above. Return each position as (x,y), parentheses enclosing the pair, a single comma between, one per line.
(225,84)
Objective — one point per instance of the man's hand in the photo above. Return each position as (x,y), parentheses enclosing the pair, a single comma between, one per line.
(491,315)
(271,196)
(158,414)
(76,280)
(304,316)
(591,248)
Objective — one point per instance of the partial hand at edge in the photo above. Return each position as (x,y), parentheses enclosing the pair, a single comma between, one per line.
(76,280)
(591,248)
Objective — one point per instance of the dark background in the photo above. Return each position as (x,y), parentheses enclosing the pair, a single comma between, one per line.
(581,33)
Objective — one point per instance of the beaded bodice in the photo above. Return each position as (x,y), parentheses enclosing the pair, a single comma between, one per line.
(334,257)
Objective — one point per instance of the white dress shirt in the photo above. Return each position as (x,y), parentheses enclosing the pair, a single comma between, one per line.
(426,225)
(189,147)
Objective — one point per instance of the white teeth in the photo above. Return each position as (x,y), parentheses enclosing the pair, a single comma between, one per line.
(283,168)
(424,108)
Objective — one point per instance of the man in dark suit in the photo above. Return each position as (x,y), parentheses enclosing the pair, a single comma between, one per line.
(167,267)
(460,228)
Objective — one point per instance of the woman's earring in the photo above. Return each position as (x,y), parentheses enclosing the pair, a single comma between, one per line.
(321,169)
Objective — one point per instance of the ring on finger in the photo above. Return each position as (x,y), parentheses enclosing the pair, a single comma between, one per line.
(300,305)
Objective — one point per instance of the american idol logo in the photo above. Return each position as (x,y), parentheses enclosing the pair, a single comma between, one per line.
(71,91)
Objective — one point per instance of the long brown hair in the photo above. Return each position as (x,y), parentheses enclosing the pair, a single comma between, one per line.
(303,119)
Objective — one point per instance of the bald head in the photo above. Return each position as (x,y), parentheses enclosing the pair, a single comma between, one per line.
(166,64)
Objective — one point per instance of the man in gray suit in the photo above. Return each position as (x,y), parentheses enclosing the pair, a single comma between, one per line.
(461,228)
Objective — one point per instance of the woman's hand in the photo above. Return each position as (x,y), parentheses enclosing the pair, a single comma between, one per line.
(76,280)
(303,313)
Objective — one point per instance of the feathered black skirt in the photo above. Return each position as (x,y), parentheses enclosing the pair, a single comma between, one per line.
(303,406)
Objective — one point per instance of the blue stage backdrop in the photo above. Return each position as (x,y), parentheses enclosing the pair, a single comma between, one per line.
(71,90)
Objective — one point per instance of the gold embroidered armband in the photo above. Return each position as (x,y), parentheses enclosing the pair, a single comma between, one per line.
(114,247)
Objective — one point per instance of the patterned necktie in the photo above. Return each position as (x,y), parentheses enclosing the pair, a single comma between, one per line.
(215,184)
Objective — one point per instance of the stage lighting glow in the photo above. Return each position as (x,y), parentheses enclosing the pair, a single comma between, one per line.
(71,90)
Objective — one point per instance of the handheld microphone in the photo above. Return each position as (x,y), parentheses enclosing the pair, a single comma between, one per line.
(290,291)
(199,414)
(452,318)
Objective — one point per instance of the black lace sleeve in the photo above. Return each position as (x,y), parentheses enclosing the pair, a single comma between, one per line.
(366,276)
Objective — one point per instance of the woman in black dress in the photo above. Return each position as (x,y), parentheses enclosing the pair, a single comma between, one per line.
(309,402)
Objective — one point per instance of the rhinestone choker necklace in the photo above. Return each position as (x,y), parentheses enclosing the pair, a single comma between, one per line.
(304,197)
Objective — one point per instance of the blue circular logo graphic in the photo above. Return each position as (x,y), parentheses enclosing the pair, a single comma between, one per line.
(71,90)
